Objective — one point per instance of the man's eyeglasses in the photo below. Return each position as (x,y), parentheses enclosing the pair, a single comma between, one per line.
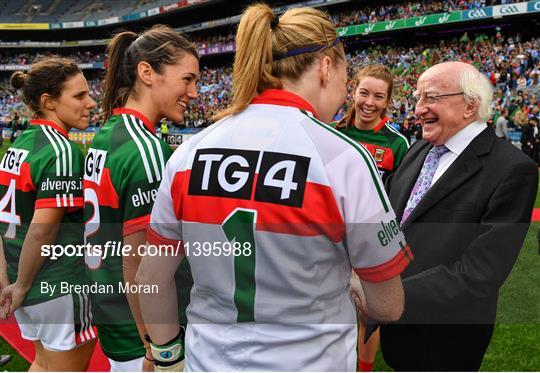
(432,99)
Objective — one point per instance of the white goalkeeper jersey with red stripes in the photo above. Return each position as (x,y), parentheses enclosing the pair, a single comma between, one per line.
(273,209)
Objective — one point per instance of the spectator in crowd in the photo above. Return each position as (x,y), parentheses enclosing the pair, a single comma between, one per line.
(164,129)
(16,128)
(501,125)
(520,116)
(529,138)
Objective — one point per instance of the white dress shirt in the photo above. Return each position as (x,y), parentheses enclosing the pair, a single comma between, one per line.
(456,144)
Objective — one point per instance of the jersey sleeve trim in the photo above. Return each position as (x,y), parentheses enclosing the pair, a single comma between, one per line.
(61,200)
(387,270)
(167,244)
(136,225)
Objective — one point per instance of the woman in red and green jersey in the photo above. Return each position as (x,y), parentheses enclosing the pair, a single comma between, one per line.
(41,205)
(149,76)
(367,124)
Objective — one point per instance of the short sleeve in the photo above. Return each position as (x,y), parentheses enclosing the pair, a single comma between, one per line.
(140,179)
(165,222)
(374,240)
(58,176)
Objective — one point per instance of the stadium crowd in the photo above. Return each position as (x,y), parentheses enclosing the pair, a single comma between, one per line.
(27,56)
(385,12)
(364,14)
(513,67)
(512,64)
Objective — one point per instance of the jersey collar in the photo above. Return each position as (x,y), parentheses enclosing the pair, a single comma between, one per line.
(282,97)
(380,125)
(138,115)
(49,123)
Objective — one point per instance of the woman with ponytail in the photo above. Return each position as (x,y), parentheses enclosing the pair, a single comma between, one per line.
(273,209)
(41,203)
(149,76)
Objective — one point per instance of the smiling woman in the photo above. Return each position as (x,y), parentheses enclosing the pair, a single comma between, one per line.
(367,123)
(150,76)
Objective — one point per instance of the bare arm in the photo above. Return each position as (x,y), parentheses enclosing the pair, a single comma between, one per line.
(130,265)
(42,231)
(160,310)
(4,280)
(382,301)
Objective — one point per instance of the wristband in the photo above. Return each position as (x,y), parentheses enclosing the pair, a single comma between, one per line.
(170,353)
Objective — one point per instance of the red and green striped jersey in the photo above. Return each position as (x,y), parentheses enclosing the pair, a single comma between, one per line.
(385,143)
(123,169)
(42,169)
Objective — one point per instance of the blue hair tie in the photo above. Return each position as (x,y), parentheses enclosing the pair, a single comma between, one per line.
(276,56)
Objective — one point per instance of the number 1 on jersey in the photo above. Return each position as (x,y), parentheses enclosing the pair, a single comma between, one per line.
(239,226)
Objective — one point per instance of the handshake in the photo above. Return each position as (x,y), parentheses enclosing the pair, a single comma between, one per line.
(382,301)
(358,297)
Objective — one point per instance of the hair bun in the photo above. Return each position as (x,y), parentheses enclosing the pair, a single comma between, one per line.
(18,79)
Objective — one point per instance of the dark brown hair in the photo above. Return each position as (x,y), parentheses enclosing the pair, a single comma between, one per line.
(46,75)
(159,46)
(380,72)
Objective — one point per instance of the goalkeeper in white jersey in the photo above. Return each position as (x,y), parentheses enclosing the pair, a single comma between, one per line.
(274,209)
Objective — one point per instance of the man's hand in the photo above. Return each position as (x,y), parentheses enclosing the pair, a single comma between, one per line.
(11,298)
(357,295)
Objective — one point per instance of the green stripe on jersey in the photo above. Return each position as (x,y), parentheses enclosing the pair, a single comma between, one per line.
(145,148)
(367,158)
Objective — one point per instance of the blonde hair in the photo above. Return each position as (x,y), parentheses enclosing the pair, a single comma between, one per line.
(269,49)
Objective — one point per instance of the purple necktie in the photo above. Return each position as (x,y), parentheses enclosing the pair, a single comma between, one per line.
(423,183)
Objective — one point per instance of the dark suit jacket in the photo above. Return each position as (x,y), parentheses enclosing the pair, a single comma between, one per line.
(466,233)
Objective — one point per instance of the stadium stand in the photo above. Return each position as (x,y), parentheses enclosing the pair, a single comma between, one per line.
(512,64)
(387,12)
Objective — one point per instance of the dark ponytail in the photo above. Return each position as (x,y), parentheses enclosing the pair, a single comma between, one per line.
(119,78)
